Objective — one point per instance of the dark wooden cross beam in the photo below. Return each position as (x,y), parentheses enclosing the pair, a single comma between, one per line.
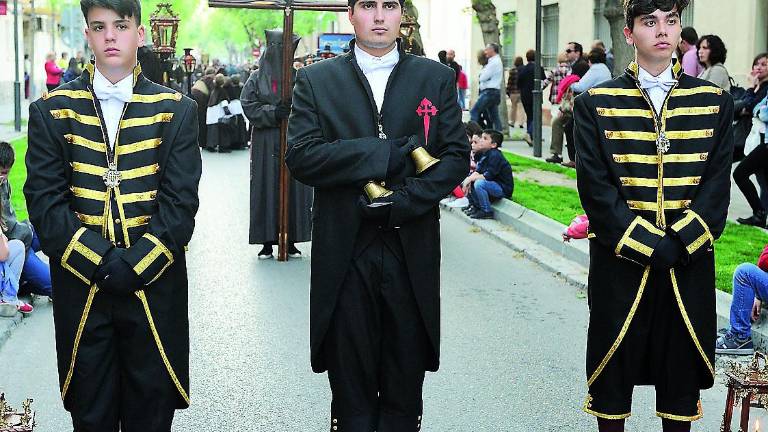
(287,6)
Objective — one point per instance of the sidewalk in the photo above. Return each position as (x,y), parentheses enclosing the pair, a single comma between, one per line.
(7,132)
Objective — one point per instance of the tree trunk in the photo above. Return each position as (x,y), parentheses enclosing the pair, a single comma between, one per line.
(622,52)
(489,25)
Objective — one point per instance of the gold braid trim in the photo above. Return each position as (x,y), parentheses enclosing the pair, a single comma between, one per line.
(83,142)
(68,252)
(631,135)
(136,221)
(126,175)
(639,247)
(626,235)
(654,159)
(654,206)
(78,335)
(651,227)
(621,112)
(624,328)
(691,134)
(72,94)
(615,92)
(687,321)
(143,298)
(693,111)
(698,90)
(142,98)
(652,182)
(80,118)
(699,414)
(146,121)
(124,149)
(88,253)
(138,197)
(88,193)
(587,408)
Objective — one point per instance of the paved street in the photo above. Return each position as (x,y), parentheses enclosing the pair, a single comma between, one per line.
(513,337)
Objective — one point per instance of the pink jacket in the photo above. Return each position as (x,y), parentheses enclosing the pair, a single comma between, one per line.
(563,86)
(53,73)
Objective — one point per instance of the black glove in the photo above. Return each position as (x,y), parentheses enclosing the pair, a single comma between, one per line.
(400,149)
(116,276)
(378,211)
(668,252)
(282,111)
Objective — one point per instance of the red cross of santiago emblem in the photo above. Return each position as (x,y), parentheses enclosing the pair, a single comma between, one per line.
(426,110)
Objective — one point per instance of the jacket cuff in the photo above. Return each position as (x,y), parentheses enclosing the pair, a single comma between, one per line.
(639,241)
(694,233)
(84,253)
(149,258)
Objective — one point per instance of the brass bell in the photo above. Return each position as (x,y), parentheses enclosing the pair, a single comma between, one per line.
(375,190)
(423,160)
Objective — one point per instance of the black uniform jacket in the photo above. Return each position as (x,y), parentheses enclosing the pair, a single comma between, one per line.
(333,145)
(634,193)
(151,212)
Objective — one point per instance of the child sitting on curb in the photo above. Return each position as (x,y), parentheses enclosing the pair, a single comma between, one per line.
(493,178)
(11,262)
(750,287)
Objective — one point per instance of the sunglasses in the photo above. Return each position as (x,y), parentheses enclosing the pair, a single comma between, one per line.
(568,51)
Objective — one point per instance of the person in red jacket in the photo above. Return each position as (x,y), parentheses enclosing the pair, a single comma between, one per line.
(750,287)
(52,72)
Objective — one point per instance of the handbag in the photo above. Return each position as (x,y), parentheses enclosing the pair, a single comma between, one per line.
(753,139)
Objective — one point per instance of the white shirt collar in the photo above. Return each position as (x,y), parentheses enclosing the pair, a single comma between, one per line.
(665,75)
(369,63)
(105,90)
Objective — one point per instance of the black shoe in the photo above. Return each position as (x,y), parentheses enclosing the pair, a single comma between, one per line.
(293,252)
(757,219)
(266,252)
(211,149)
(482,215)
(556,158)
(468,210)
(729,344)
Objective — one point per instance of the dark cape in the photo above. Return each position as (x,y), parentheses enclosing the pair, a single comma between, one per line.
(259,99)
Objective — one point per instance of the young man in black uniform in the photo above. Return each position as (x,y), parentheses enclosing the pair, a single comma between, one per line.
(375,289)
(113,169)
(653,159)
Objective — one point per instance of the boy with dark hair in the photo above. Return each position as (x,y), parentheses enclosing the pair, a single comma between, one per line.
(492,180)
(654,154)
(690,55)
(113,169)
(35,277)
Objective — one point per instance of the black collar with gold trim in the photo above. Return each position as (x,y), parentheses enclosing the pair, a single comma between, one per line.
(90,71)
(633,70)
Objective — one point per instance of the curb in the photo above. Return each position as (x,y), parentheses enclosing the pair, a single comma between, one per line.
(537,237)
(8,325)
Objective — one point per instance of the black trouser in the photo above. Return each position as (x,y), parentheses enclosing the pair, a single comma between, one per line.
(570,144)
(120,381)
(756,162)
(377,347)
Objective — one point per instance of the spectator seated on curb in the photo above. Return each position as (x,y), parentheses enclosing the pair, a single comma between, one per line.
(493,178)
(36,274)
(457,198)
(577,230)
(750,287)
(11,262)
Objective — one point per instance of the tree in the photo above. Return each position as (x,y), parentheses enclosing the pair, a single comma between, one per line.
(622,52)
(489,25)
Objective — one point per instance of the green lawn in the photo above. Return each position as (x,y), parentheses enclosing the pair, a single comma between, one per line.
(737,245)
(17,177)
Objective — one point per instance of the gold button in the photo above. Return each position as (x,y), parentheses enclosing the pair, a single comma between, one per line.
(335,421)
(335,428)
(117,221)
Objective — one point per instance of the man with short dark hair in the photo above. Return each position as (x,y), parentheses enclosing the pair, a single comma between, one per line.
(492,180)
(375,279)
(525,81)
(575,52)
(690,61)
(490,81)
(113,169)
(654,153)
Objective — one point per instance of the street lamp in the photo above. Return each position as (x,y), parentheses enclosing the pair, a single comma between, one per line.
(189,63)
(165,28)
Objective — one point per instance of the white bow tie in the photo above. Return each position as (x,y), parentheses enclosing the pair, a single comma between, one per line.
(106,92)
(648,83)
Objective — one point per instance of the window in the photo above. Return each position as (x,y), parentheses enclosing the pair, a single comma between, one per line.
(687,19)
(508,28)
(602,27)
(550,24)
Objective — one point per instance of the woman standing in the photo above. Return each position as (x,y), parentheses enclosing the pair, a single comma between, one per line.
(52,72)
(712,54)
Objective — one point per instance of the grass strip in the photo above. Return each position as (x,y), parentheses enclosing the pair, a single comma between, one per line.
(17,177)
(522,163)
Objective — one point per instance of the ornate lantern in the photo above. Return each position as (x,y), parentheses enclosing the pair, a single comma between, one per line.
(13,421)
(189,62)
(165,28)
(748,385)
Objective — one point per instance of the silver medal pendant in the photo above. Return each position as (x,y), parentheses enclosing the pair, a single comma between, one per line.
(112,176)
(662,143)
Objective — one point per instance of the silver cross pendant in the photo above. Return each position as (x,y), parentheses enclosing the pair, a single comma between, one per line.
(112,176)
(662,143)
